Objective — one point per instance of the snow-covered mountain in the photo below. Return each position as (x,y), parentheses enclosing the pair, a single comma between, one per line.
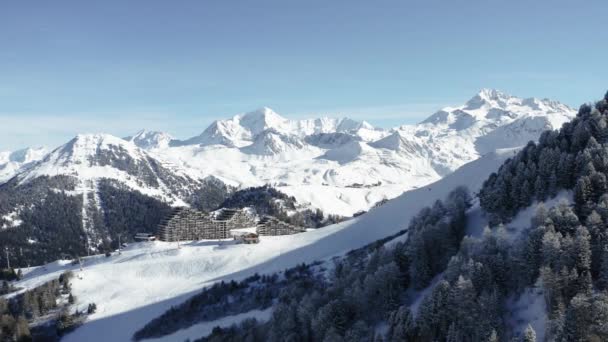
(489,120)
(344,166)
(14,162)
(339,165)
(91,157)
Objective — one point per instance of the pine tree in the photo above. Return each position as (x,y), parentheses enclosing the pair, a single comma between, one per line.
(462,299)
(401,324)
(602,281)
(583,249)
(358,332)
(595,225)
(433,316)
(580,135)
(453,334)
(582,191)
(598,185)
(332,335)
(551,249)
(420,268)
(553,184)
(529,334)
(525,194)
(493,336)
(65,321)
(540,188)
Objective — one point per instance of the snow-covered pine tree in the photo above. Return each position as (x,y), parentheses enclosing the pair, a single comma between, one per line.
(529,334)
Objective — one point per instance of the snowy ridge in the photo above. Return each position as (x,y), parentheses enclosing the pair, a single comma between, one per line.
(242,129)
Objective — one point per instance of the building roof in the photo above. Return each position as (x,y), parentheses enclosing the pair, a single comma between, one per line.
(243,231)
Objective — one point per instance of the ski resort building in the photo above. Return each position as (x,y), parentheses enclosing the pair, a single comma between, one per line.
(189,224)
(270,225)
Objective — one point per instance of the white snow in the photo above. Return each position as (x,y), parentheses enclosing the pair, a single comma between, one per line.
(11,220)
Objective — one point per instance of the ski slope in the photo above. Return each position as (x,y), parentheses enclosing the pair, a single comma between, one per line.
(148,278)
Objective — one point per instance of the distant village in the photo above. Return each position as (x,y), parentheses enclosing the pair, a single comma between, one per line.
(186,224)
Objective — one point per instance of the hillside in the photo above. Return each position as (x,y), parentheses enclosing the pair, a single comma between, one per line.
(155,276)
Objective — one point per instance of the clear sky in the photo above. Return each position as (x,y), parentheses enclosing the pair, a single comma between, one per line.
(118,66)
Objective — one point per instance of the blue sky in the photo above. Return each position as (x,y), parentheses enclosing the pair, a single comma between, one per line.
(119,66)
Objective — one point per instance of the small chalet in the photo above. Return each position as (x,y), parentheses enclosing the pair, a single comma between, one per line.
(245,235)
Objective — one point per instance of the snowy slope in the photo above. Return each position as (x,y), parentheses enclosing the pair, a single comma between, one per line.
(14,162)
(148,278)
(344,166)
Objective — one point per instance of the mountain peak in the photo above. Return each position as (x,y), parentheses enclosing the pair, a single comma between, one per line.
(489,97)
(150,139)
(89,139)
(493,94)
(96,156)
(261,119)
(83,147)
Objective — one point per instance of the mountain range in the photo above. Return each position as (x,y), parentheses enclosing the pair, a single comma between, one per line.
(339,165)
